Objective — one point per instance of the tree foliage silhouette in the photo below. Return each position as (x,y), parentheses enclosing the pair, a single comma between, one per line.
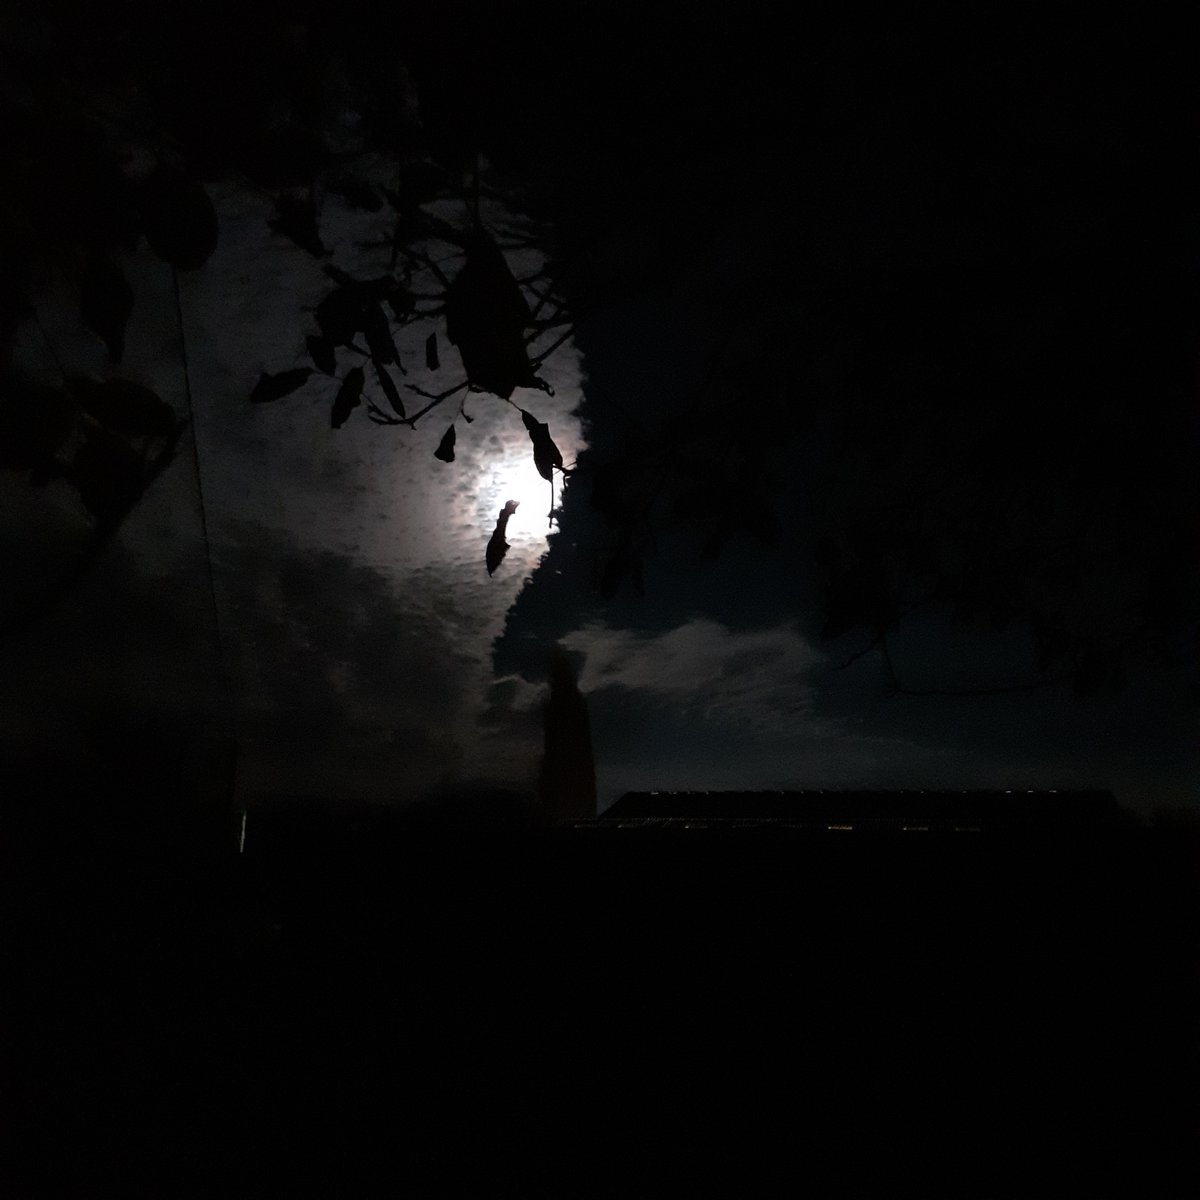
(1001,368)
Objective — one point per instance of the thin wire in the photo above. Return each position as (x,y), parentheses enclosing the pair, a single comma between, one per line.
(212,584)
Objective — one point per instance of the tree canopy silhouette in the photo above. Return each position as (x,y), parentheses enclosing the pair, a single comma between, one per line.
(977,329)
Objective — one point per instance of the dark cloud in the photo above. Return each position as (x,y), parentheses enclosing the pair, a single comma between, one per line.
(679,699)
(337,670)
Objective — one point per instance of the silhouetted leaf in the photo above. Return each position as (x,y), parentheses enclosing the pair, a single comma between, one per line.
(339,315)
(322,353)
(109,475)
(35,421)
(356,193)
(105,302)
(546,455)
(378,334)
(401,301)
(445,450)
(485,296)
(179,219)
(349,308)
(349,397)
(390,391)
(296,218)
(497,546)
(486,318)
(46,472)
(125,408)
(274,387)
(423,179)
(432,362)
(340,277)
(77,184)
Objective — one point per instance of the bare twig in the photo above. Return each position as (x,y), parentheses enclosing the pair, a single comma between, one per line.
(434,400)
(860,653)
(554,345)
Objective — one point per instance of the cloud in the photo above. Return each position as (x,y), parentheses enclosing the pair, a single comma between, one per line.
(337,674)
(751,679)
(1140,742)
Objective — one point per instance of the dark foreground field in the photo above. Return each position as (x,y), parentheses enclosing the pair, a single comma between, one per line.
(405,1009)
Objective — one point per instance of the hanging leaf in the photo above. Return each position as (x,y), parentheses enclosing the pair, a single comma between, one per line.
(179,219)
(296,218)
(401,301)
(339,315)
(369,291)
(378,334)
(344,278)
(79,184)
(546,456)
(485,302)
(275,387)
(47,471)
(109,475)
(349,309)
(391,392)
(497,546)
(125,408)
(35,421)
(105,302)
(422,180)
(486,318)
(356,193)
(349,397)
(322,353)
(432,362)
(445,450)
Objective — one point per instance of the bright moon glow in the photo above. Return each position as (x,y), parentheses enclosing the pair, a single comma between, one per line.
(493,446)
(516,478)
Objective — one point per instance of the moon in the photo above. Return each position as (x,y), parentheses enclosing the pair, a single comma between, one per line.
(515,478)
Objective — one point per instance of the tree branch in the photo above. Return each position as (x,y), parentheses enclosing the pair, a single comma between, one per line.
(860,653)
(434,400)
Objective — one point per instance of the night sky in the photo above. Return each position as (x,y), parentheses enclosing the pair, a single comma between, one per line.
(869,410)
(796,262)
